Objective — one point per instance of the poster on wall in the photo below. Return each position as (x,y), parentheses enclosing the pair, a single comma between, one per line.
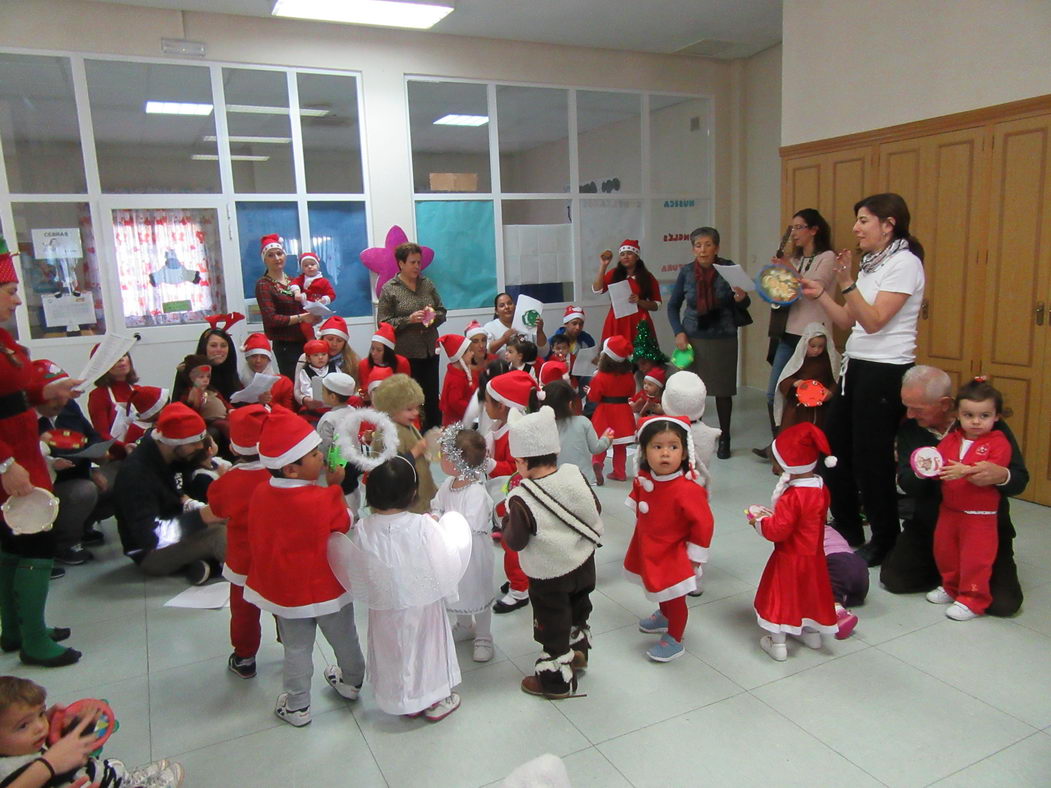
(68,312)
(57,243)
(671,222)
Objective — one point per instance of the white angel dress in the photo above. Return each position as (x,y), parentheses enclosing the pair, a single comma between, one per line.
(477,591)
(405,567)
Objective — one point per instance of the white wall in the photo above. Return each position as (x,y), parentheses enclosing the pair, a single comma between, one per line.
(855,65)
(383,58)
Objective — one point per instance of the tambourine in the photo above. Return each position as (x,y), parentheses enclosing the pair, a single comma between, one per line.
(64,440)
(926,461)
(65,718)
(777,284)
(32,513)
(682,358)
(811,393)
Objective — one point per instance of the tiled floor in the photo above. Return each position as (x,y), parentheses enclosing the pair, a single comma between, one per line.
(911,699)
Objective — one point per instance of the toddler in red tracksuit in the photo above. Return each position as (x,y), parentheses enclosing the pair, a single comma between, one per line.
(965,539)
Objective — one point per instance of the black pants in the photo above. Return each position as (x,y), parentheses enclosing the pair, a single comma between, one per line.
(425,372)
(287,354)
(861,425)
(559,604)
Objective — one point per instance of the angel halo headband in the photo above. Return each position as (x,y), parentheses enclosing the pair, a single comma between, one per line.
(464,471)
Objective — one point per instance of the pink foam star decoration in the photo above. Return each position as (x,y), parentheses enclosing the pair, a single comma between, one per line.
(381,258)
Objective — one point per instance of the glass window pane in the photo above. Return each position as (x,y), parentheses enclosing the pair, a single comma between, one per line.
(254,220)
(169,264)
(38,125)
(609,142)
(534,139)
(328,116)
(154,151)
(448,158)
(679,144)
(60,276)
(461,233)
(538,249)
(603,225)
(259,128)
(338,235)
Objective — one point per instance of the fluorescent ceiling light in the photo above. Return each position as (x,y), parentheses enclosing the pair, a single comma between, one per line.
(384,13)
(213,157)
(177,108)
(462,120)
(250,109)
(260,140)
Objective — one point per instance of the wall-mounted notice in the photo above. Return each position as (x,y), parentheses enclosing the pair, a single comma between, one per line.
(57,243)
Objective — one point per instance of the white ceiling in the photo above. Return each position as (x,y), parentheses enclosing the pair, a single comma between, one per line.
(711,28)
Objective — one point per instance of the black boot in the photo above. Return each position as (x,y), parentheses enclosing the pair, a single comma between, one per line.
(765,452)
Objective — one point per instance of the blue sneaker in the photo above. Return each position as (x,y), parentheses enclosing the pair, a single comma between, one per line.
(654,624)
(667,649)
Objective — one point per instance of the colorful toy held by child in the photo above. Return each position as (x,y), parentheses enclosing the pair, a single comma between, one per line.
(673,529)
(814,359)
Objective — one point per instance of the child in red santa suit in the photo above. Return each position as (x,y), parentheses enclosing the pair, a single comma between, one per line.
(795,593)
(259,359)
(459,383)
(381,358)
(230,496)
(673,529)
(289,573)
(311,286)
(965,538)
(611,389)
(647,400)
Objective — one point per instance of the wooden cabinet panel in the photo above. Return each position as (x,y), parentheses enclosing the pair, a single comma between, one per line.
(801,186)
(851,177)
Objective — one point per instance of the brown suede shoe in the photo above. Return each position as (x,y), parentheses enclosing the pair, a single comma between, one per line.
(532,686)
(580,660)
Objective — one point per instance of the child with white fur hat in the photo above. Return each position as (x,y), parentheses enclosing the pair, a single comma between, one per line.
(684,395)
(553,523)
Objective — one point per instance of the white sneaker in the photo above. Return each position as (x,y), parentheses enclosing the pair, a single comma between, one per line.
(779,651)
(159,774)
(462,633)
(810,639)
(958,611)
(334,677)
(442,709)
(297,717)
(939,596)
(483,649)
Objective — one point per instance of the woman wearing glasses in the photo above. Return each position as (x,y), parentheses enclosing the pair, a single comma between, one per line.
(812,257)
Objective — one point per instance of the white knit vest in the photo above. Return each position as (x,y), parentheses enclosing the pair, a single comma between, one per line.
(564,508)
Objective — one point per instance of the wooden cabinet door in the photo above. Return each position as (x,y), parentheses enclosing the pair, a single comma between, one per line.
(800,186)
(1016,341)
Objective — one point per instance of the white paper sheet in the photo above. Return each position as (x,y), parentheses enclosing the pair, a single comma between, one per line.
(317,389)
(317,308)
(524,305)
(69,310)
(736,276)
(251,393)
(585,364)
(619,293)
(111,350)
(207,597)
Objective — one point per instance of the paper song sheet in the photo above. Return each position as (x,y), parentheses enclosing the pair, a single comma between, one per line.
(527,311)
(619,293)
(261,384)
(111,350)
(585,365)
(317,308)
(208,597)
(736,276)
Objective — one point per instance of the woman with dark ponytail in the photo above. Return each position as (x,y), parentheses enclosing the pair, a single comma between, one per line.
(881,309)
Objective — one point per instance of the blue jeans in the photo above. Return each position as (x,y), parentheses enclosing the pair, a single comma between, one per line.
(785,348)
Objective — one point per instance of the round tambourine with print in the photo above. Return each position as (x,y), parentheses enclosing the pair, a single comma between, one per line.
(926,461)
(811,393)
(778,284)
(32,513)
(65,718)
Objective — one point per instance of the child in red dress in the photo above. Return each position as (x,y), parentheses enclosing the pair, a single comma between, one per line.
(673,529)
(647,400)
(965,538)
(611,389)
(795,594)
(460,382)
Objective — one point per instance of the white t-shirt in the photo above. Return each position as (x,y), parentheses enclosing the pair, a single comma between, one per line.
(895,343)
(495,330)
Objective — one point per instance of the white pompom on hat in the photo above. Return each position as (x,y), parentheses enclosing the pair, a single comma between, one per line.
(798,448)
(533,434)
(684,395)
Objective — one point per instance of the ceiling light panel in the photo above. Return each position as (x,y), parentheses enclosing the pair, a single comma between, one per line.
(177,108)
(462,120)
(381,13)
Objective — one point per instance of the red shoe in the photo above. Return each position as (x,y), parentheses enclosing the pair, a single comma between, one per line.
(617,477)
(845,621)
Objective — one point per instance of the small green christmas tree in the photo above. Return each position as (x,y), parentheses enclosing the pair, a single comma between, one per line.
(646,346)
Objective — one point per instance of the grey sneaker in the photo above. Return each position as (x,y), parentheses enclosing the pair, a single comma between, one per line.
(654,624)
(667,649)
(297,717)
(334,677)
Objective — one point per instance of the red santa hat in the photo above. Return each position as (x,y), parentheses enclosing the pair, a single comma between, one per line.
(49,370)
(553,370)
(377,376)
(285,438)
(335,326)
(316,346)
(617,348)
(385,335)
(513,388)
(147,401)
(258,345)
(655,376)
(454,346)
(474,329)
(630,245)
(691,452)
(245,425)
(304,256)
(8,271)
(268,242)
(798,448)
(178,425)
(572,313)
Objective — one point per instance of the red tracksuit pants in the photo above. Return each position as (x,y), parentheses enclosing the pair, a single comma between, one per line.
(964,550)
(513,569)
(620,459)
(244,624)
